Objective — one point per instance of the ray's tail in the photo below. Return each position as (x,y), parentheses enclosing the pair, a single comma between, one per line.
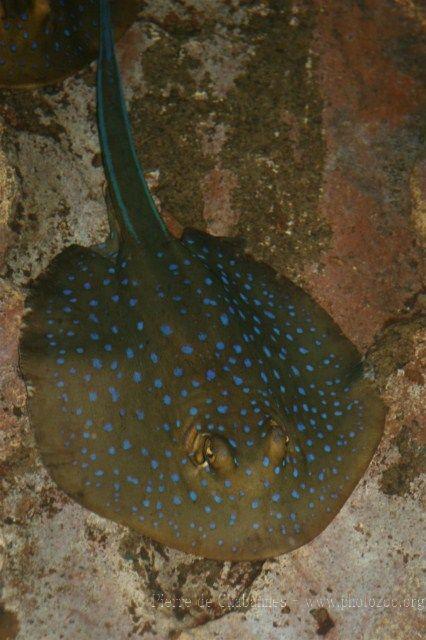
(137,214)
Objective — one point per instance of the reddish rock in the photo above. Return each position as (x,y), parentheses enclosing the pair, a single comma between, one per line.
(217,187)
(371,110)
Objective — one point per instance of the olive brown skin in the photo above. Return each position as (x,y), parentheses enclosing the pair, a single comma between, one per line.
(44,41)
(162,412)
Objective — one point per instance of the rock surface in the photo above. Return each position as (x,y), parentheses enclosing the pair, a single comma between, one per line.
(296,125)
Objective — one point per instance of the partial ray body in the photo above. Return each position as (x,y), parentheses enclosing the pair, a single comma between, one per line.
(182,388)
(43,41)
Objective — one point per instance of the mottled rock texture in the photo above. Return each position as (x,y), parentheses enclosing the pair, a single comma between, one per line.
(297,125)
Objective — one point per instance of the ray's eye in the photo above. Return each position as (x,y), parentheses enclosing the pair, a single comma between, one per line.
(210,450)
(277,443)
(202,453)
(218,454)
(209,454)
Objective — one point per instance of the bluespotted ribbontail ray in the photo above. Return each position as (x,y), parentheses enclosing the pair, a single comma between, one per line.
(182,388)
(43,41)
